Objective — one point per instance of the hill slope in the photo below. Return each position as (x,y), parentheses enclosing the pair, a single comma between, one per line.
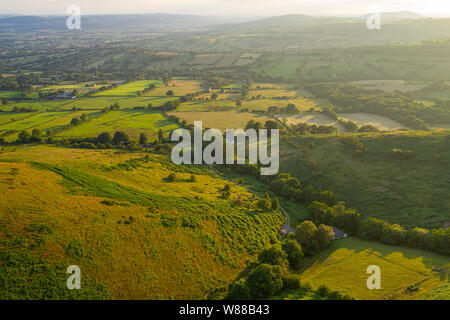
(133,234)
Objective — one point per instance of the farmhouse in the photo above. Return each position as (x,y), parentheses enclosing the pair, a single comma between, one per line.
(338,234)
(63,96)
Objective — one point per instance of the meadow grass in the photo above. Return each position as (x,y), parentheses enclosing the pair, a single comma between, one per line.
(131,122)
(129,89)
(221,119)
(343,266)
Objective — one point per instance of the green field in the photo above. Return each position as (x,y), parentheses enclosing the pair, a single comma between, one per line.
(131,122)
(221,120)
(128,89)
(343,267)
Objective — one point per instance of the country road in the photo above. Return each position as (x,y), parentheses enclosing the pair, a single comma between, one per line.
(287,223)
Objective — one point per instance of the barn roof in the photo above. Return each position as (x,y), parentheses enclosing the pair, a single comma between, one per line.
(338,234)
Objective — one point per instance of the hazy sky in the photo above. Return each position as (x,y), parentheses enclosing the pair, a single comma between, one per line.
(226,7)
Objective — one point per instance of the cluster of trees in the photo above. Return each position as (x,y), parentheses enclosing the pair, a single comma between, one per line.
(305,128)
(348,125)
(376,229)
(22,109)
(146,90)
(269,125)
(289,109)
(26,137)
(170,105)
(287,186)
(79,120)
(21,81)
(396,105)
(313,238)
(270,276)
(266,203)
(324,210)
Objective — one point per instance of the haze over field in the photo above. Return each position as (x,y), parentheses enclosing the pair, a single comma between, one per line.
(232,7)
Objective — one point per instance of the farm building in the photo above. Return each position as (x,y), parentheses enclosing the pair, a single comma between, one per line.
(338,234)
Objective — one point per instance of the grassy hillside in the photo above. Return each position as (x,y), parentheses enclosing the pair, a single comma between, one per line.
(134,234)
(411,191)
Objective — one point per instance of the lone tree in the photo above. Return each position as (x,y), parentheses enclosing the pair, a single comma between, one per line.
(36,135)
(294,253)
(214,96)
(143,138)
(24,137)
(160,136)
(170,93)
(273,255)
(275,204)
(75,122)
(264,204)
(120,137)
(104,138)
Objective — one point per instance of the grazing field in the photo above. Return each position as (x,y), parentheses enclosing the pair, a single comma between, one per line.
(410,191)
(390,85)
(179,88)
(221,119)
(318,119)
(132,123)
(405,273)
(97,103)
(33,120)
(109,212)
(7,117)
(210,105)
(39,105)
(10,94)
(206,59)
(302,104)
(380,122)
(128,89)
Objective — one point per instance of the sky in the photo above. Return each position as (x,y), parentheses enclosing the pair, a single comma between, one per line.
(228,7)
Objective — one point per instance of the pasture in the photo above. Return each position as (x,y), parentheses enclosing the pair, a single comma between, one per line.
(128,89)
(390,85)
(132,123)
(221,119)
(179,87)
(405,273)
(380,122)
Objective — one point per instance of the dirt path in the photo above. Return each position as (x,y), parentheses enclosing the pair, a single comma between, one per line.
(287,222)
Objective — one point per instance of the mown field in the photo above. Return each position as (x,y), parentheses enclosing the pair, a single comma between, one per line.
(406,274)
(411,191)
(221,120)
(109,213)
(128,89)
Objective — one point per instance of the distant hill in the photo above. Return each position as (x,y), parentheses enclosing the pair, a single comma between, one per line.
(146,22)
(395,16)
